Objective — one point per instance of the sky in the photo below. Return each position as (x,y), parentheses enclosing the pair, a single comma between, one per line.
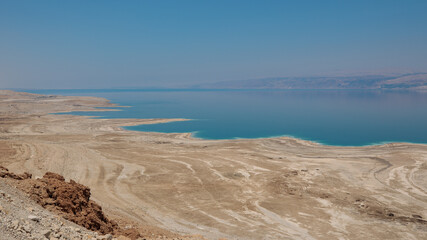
(129,44)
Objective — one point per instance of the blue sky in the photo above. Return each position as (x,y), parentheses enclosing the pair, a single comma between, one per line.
(107,44)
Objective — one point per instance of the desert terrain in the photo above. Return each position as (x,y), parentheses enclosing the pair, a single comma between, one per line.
(275,188)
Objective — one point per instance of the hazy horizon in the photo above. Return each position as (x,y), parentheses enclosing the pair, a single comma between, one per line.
(112,44)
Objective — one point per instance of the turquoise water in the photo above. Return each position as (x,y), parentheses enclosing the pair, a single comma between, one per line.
(332,117)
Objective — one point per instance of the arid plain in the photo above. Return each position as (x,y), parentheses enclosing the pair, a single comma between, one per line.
(276,188)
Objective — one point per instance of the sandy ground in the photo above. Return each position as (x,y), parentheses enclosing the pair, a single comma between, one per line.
(277,188)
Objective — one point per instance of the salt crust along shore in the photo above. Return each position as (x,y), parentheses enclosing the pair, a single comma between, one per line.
(275,188)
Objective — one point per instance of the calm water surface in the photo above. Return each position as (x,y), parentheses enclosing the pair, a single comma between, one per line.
(350,118)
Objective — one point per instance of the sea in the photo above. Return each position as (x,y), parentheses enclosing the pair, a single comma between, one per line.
(330,117)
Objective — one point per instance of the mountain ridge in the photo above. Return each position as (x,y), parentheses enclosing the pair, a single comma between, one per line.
(402,81)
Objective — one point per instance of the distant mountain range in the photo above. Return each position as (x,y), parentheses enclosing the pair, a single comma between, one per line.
(404,81)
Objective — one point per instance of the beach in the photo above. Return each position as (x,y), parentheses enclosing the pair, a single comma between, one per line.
(272,188)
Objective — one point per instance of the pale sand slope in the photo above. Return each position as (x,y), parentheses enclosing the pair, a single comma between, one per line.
(278,188)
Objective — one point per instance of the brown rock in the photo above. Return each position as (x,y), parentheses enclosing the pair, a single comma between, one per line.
(4,173)
(71,200)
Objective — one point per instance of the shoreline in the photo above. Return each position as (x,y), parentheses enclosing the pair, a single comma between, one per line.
(273,188)
(192,134)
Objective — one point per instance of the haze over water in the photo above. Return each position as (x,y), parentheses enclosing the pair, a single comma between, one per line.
(349,118)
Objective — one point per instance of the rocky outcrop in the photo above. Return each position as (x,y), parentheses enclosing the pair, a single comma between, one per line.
(70,200)
(22,219)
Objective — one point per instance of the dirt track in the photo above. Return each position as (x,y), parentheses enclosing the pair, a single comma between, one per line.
(239,189)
